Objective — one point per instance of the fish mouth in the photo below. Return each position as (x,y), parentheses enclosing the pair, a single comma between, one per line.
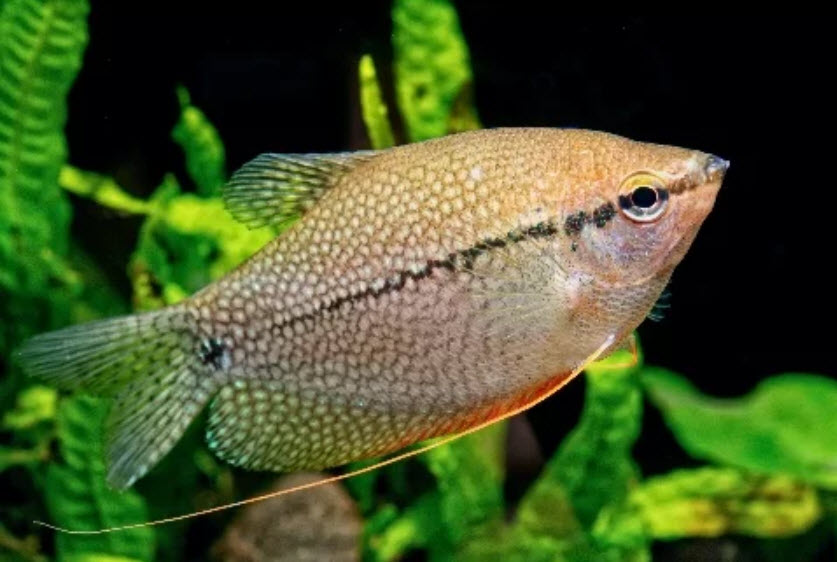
(714,169)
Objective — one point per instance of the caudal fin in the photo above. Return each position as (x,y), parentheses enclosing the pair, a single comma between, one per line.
(147,362)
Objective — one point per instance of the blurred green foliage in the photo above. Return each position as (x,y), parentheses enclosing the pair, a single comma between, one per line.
(709,502)
(41,45)
(787,425)
(188,242)
(432,65)
(31,423)
(201,145)
(773,453)
(373,108)
(103,190)
(78,497)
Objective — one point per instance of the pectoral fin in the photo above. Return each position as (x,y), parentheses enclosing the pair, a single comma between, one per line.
(622,355)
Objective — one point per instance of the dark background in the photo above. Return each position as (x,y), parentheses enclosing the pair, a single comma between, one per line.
(750,300)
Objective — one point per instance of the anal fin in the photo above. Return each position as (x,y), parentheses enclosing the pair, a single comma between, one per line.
(545,393)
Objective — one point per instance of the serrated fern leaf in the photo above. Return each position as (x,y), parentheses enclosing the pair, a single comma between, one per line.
(78,496)
(41,46)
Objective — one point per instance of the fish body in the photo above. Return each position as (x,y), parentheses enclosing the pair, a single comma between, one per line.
(425,289)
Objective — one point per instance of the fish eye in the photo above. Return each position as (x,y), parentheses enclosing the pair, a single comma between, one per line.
(643,198)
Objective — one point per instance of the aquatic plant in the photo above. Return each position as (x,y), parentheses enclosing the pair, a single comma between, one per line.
(771,469)
(41,44)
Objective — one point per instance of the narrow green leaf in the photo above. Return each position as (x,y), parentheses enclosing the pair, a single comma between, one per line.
(787,425)
(101,189)
(13,456)
(432,65)
(373,107)
(202,146)
(98,557)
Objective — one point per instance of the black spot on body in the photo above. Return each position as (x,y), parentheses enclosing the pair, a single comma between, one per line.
(213,352)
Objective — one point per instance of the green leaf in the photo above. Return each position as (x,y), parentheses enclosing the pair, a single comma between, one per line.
(189,242)
(593,466)
(79,498)
(41,46)
(709,502)
(469,475)
(101,189)
(202,146)
(546,527)
(35,405)
(32,427)
(389,534)
(98,557)
(591,471)
(465,509)
(12,456)
(373,107)
(14,549)
(432,65)
(787,425)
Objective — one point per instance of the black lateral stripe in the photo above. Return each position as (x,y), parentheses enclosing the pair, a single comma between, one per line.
(601,215)
(461,260)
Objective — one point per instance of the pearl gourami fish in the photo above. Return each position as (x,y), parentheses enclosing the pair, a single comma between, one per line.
(425,289)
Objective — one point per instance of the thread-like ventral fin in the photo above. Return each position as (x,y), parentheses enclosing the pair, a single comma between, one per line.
(273,189)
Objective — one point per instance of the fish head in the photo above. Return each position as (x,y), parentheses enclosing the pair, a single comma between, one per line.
(642,206)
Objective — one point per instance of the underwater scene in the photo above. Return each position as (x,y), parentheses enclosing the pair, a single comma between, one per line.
(413,280)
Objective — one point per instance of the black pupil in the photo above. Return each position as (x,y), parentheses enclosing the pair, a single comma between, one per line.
(644,197)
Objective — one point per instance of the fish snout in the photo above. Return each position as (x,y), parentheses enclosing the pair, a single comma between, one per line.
(714,168)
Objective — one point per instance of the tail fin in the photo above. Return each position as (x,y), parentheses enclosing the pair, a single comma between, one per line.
(148,363)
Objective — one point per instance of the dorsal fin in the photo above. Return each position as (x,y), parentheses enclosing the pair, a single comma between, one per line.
(276,188)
